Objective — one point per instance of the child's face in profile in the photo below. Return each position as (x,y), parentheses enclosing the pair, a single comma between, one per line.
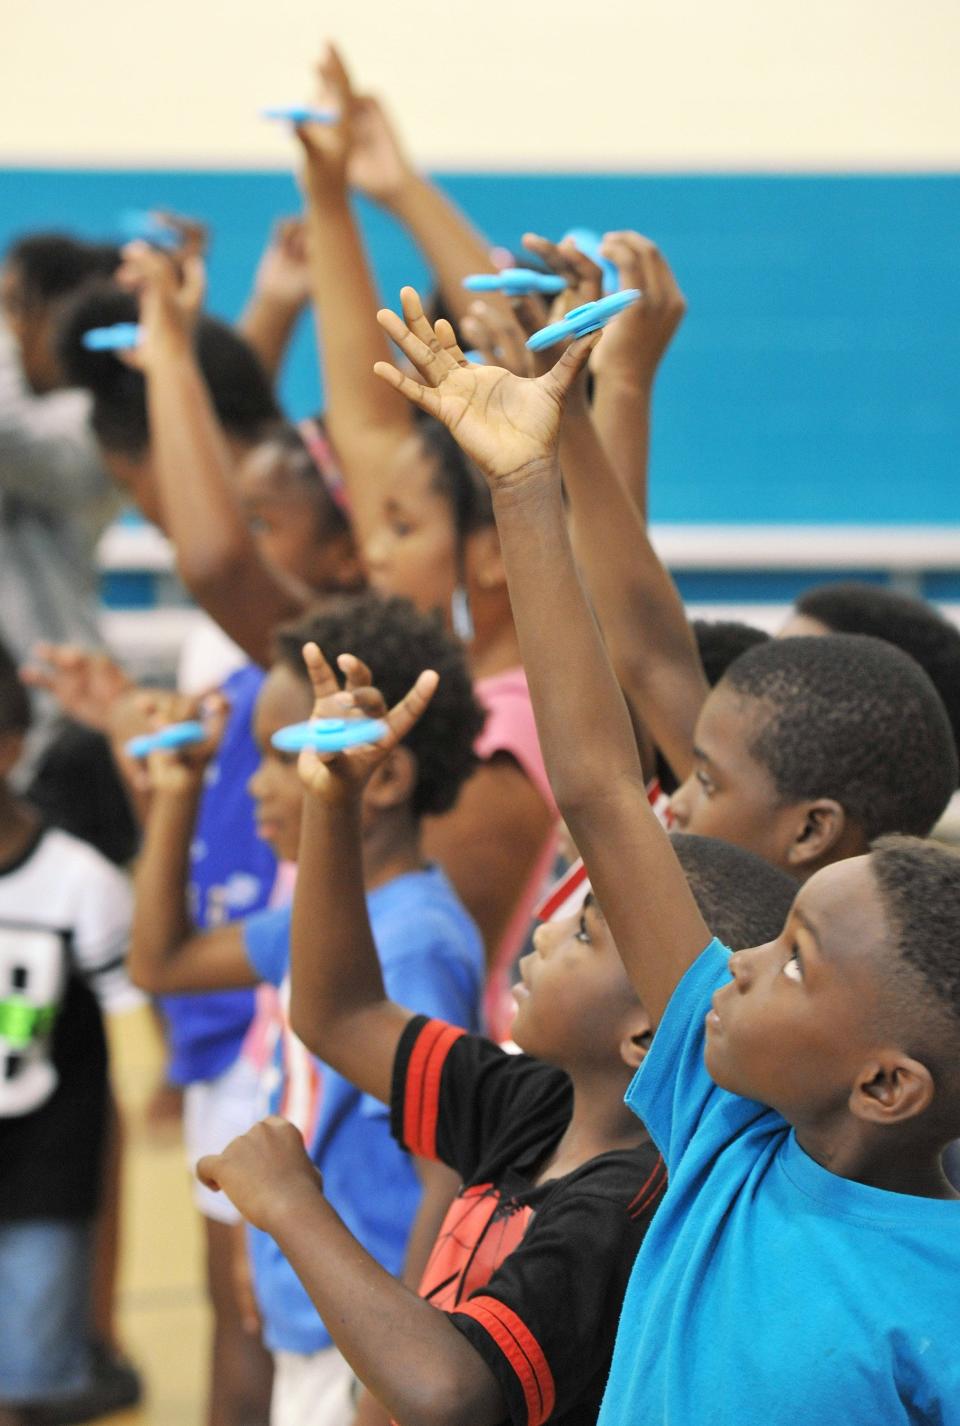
(800,1018)
(573,994)
(413,549)
(275,786)
(729,794)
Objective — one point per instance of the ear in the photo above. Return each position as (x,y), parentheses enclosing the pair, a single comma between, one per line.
(393,781)
(11,750)
(817,829)
(637,1038)
(890,1088)
(348,566)
(484,560)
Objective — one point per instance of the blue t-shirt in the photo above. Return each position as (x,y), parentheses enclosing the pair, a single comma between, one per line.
(768,1291)
(231,875)
(431,956)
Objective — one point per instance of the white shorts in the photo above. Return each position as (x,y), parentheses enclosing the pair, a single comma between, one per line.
(215,1112)
(319,1390)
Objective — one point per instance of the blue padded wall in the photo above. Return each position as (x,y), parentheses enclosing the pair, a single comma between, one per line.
(816,378)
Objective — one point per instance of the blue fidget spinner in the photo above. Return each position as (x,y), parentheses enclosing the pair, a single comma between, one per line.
(140,223)
(175,735)
(300,114)
(121,337)
(588,242)
(516,282)
(328,735)
(588,318)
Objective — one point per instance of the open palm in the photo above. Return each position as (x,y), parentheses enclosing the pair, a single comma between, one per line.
(503,422)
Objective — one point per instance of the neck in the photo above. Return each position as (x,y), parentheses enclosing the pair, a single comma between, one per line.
(391,848)
(494,649)
(600,1123)
(18,825)
(901,1167)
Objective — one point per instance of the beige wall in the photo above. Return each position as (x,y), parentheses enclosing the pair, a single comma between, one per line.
(669,83)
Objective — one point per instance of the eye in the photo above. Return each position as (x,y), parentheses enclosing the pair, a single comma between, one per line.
(583,934)
(704,781)
(793,969)
(400,527)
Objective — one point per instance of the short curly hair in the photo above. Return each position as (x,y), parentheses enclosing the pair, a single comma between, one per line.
(53,265)
(853,718)
(743,899)
(397,643)
(919,884)
(912,624)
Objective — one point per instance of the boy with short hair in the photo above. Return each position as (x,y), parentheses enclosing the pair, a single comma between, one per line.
(804,1262)
(559,1182)
(430,951)
(64,922)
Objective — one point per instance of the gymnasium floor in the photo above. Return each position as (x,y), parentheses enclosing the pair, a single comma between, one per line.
(163,1316)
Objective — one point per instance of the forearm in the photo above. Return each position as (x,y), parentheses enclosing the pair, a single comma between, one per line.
(409,1354)
(216,554)
(338,1004)
(161,921)
(583,725)
(644,623)
(448,240)
(362,414)
(268,325)
(621,414)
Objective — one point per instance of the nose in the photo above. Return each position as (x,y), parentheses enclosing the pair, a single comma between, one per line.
(255,782)
(741,968)
(375,549)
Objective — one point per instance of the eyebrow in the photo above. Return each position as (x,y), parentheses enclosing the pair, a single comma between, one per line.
(808,926)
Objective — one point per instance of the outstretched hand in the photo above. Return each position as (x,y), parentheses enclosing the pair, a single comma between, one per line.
(640,337)
(504,423)
(327,146)
(87,683)
(337,776)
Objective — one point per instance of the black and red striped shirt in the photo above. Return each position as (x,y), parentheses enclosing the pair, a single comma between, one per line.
(532,1274)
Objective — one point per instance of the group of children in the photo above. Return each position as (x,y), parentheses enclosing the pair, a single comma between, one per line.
(710,1186)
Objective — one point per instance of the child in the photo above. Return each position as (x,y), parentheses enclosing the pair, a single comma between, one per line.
(559,1184)
(803,1265)
(64,921)
(430,950)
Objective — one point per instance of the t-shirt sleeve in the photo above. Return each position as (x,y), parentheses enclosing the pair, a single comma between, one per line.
(266,940)
(511,728)
(545,1322)
(672,1089)
(101,933)
(453,1093)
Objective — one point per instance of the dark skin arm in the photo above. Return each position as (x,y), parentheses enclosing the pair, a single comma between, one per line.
(510,426)
(409,1355)
(216,554)
(280,293)
(339,1006)
(166,953)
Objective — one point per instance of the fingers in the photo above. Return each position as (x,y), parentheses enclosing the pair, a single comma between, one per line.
(447,338)
(322,677)
(571,363)
(411,707)
(500,338)
(208,1171)
(356,672)
(417,323)
(421,396)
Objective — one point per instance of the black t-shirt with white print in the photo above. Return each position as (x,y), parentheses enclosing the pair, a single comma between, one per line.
(532,1274)
(64,923)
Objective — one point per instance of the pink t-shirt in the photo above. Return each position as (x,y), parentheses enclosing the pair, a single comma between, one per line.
(510,728)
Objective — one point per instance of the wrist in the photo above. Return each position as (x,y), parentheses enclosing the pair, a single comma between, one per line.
(403,196)
(626,380)
(527,481)
(293,1207)
(277,304)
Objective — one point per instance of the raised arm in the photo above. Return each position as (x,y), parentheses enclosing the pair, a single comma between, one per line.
(281,291)
(644,622)
(166,953)
(366,420)
(510,427)
(625,366)
(339,1006)
(216,554)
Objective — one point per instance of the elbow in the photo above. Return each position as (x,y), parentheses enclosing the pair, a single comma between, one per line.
(144,978)
(440,1401)
(309,1030)
(213,566)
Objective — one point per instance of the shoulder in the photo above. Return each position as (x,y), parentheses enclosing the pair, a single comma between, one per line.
(420,913)
(624,1182)
(75,866)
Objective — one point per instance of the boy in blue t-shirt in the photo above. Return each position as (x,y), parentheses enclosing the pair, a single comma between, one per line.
(803,1265)
(430,950)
